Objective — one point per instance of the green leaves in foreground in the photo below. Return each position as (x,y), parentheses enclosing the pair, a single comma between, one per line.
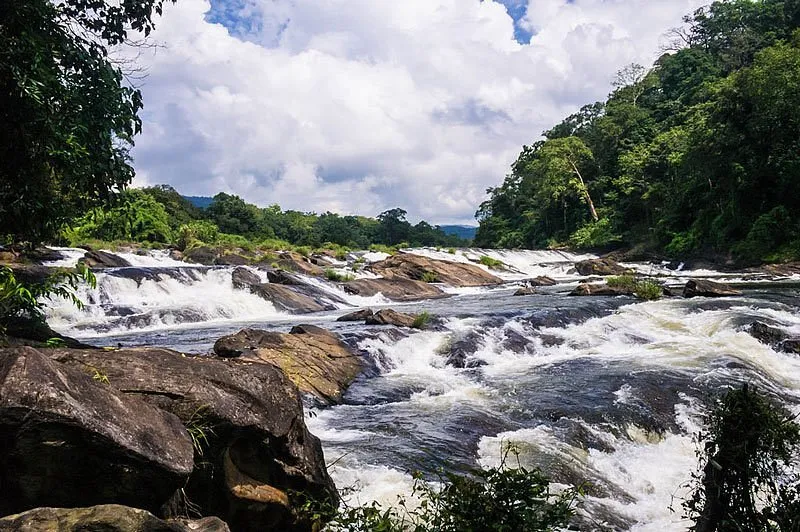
(490,500)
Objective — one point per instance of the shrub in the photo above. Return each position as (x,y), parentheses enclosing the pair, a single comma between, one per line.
(490,500)
(683,243)
(494,264)
(421,320)
(333,275)
(451,251)
(622,281)
(746,479)
(648,290)
(197,231)
(429,277)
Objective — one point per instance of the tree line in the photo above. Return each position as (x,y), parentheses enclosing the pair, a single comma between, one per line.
(698,154)
(160,215)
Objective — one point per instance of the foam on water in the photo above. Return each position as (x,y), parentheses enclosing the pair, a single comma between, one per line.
(150,258)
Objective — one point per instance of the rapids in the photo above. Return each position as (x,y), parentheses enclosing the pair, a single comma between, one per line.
(601,392)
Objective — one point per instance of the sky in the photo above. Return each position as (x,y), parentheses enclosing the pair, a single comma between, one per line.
(359,106)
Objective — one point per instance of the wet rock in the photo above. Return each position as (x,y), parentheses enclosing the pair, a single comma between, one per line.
(706,288)
(394,289)
(249,413)
(603,266)
(358,315)
(231,259)
(542,280)
(244,279)
(390,317)
(176,254)
(289,300)
(137,274)
(284,277)
(776,338)
(526,290)
(315,359)
(413,267)
(291,260)
(23,331)
(591,289)
(43,254)
(67,439)
(103,259)
(201,255)
(460,351)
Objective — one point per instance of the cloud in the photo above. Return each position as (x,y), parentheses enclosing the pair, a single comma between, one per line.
(357,106)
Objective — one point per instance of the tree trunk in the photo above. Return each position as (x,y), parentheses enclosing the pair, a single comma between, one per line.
(586,192)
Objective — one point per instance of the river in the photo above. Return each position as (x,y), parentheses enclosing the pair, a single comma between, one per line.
(604,392)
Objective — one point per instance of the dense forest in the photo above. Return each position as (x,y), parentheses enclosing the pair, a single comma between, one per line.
(160,215)
(698,155)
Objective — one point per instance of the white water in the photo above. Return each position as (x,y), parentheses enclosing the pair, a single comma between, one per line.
(152,258)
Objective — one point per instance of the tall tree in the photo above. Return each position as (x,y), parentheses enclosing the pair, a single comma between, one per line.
(68,118)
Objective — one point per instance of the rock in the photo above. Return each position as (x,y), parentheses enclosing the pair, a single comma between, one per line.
(23,331)
(244,279)
(358,315)
(542,280)
(206,524)
(291,260)
(103,259)
(414,267)
(314,358)
(525,291)
(591,289)
(774,337)
(289,300)
(604,266)
(394,289)
(461,349)
(283,277)
(105,518)
(201,255)
(231,259)
(176,254)
(69,440)
(390,317)
(703,287)
(248,412)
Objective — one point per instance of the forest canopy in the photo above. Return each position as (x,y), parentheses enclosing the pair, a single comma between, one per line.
(700,153)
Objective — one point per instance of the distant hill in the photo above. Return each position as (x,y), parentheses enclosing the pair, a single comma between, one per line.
(467,232)
(200,201)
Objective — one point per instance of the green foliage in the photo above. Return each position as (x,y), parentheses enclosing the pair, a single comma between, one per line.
(99,376)
(333,275)
(200,428)
(494,264)
(429,277)
(593,235)
(421,320)
(628,282)
(20,300)
(490,500)
(648,290)
(747,480)
(195,233)
(68,116)
(700,153)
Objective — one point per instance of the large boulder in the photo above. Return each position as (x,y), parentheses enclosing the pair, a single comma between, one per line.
(67,439)
(289,299)
(201,255)
(231,259)
(603,266)
(103,518)
(706,288)
(244,279)
(103,259)
(291,260)
(542,280)
(284,277)
(394,289)
(246,419)
(316,360)
(388,316)
(416,267)
(776,338)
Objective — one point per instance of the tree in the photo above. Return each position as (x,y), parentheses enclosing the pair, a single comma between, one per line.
(394,226)
(68,118)
(558,167)
(631,78)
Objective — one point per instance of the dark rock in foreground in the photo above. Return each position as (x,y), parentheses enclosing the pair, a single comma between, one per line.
(776,338)
(705,288)
(244,279)
(103,259)
(104,518)
(283,277)
(314,359)
(394,289)
(603,266)
(67,439)
(247,421)
(358,315)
